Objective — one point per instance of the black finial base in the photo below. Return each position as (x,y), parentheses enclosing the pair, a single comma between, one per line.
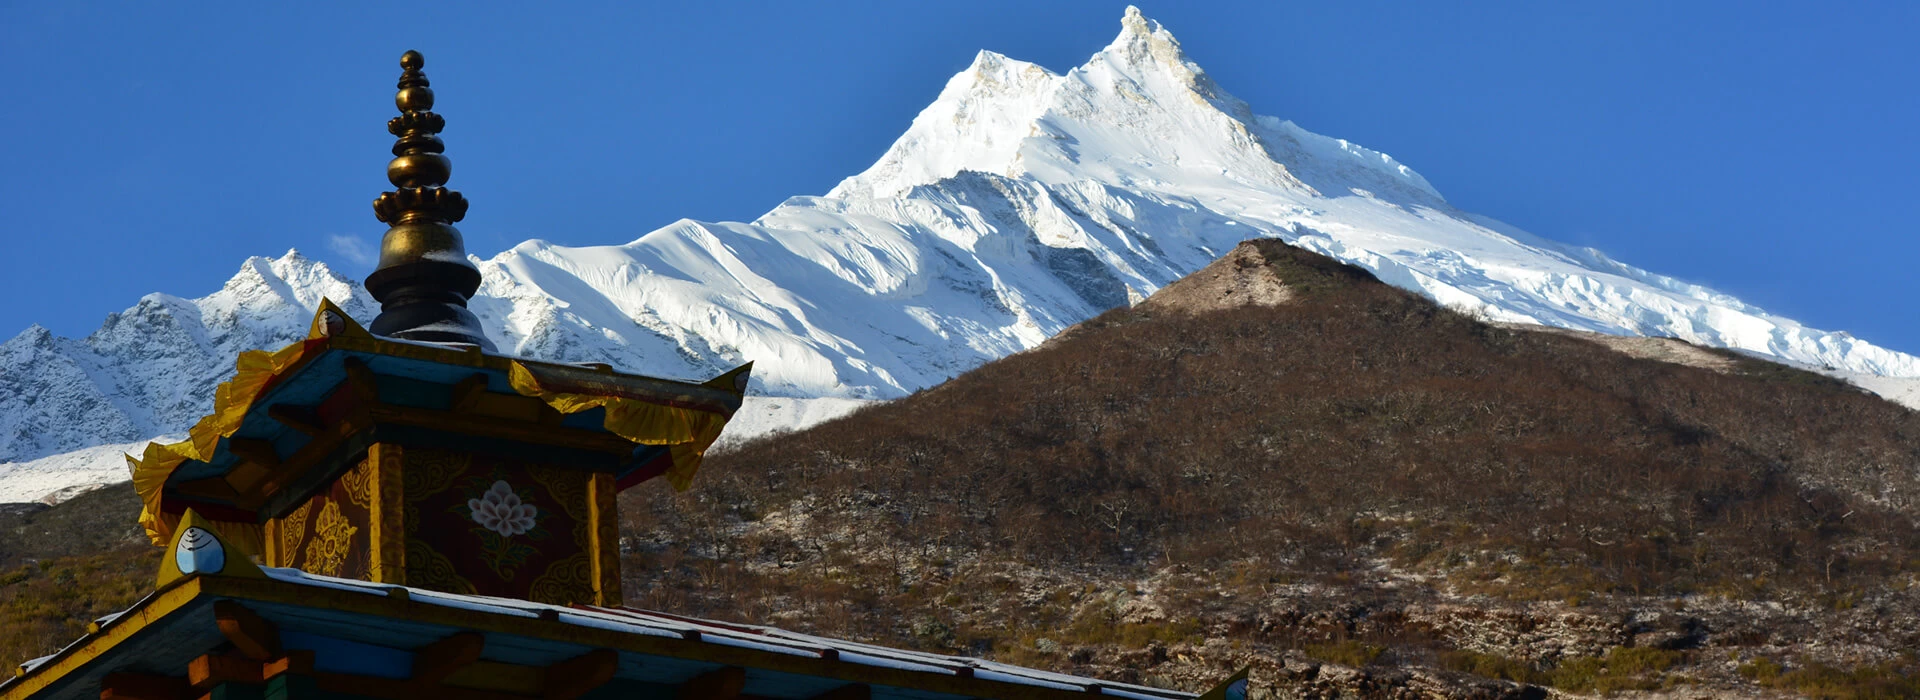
(427,301)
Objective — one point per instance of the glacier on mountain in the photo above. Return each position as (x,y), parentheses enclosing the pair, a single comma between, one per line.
(1018,203)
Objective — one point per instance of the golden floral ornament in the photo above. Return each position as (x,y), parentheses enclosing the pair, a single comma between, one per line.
(332,539)
(500,510)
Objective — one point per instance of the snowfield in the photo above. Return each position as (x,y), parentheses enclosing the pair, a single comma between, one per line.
(1021,201)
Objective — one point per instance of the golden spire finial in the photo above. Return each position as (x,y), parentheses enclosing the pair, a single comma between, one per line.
(424,279)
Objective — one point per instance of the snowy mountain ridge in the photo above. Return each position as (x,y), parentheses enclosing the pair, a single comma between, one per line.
(1019,202)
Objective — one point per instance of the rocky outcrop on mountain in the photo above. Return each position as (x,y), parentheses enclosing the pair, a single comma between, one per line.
(1240,278)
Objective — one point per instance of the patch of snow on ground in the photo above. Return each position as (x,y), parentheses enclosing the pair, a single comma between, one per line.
(1901,390)
(767,415)
(62,476)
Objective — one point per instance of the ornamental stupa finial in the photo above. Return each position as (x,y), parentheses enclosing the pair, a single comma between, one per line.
(424,279)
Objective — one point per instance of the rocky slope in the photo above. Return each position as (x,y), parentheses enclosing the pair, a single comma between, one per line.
(1020,202)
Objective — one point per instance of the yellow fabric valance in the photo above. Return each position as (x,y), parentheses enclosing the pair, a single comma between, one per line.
(686,428)
(688,432)
(255,371)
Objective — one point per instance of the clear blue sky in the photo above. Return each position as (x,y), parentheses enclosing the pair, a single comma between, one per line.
(1766,149)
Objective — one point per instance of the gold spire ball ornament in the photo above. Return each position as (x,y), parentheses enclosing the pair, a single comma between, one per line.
(424,279)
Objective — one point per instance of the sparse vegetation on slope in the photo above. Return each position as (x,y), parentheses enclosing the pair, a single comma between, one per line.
(1346,466)
(49,603)
(64,567)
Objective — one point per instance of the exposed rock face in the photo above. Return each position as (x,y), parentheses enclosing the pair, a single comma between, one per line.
(1239,278)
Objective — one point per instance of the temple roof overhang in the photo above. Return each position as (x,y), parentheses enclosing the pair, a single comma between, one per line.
(370,636)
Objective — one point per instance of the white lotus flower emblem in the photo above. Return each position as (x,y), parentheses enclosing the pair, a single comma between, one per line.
(500,510)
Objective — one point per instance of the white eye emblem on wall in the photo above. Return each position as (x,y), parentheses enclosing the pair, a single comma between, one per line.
(199,553)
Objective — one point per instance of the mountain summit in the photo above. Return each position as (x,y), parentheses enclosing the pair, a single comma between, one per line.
(1018,203)
(1140,113)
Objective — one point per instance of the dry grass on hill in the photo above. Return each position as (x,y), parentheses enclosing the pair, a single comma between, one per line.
(1306,431)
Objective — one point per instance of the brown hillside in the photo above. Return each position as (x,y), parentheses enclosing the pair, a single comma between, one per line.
(1337,469)
(63,567)
(1197,439)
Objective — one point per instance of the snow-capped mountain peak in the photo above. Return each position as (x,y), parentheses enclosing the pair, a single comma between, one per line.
(1021,201)
(151,369)
(978,123)
(1138,112)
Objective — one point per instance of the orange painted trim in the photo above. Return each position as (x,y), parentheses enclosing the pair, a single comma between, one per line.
(387,539)
(603,539)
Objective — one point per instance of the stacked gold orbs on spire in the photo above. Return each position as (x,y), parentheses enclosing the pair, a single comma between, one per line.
(424,279)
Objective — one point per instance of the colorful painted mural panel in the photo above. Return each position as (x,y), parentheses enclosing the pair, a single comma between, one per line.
(494,526)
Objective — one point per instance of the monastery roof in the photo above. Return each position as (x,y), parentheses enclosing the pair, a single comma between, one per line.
(357,627)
